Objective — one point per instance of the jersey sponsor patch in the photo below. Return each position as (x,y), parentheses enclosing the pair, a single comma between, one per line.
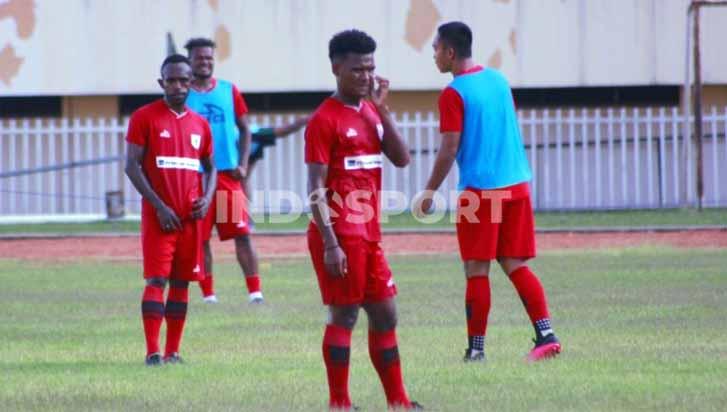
(173,162)
(351,132)
(196,140)
(165,134)
(363,162)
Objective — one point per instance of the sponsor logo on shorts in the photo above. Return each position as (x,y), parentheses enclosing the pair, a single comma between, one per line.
(351,132)
(196,269)
(380,130)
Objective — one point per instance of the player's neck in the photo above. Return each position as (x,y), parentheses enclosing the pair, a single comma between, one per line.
(178,109)
(354,101)
(461,66)
(202,83)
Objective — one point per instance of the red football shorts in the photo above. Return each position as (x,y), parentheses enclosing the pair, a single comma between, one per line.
(498,225)
(228,211)
(368,278)
(172,255)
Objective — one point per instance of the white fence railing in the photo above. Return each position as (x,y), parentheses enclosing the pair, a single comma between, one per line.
(581,159)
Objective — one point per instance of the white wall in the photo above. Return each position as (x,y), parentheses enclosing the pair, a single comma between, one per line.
(80,47)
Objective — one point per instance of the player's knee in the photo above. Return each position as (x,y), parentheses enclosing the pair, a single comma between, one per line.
(386,322)
(243,242)
(344,318)
(179,284)
(510,265)
(158,282)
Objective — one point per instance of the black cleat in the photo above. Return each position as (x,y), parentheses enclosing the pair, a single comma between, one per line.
(415,406)
(173,358)
(469,357)
(155,359)
(546,347)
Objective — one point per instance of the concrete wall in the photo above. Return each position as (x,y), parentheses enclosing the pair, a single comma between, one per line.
(80,47)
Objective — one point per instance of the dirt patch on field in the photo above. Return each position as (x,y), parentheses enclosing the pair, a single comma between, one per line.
(129,248)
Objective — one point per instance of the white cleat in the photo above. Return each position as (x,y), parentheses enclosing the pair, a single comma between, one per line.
(210,299)
(256,297)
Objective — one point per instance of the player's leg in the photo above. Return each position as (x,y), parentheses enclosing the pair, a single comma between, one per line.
(477,237)
(158,251)
(380,308)
(336,350)
(477,307)
(516,246)
(207,284)
(384,351)
(152,315)
(343,296)
(175,314)
(247,258)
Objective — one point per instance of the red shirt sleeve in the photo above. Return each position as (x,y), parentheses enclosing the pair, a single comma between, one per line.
(319,138)
(239,102)
(451,111)
(138,132)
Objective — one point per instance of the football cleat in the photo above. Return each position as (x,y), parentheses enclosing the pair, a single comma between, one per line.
(256,298)
(546,347)
(173,358)
(210,299)
(155,359)
(469,356)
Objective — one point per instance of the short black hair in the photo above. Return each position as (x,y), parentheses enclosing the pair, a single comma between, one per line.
(172,59)
(458,36)
(198,42)
(350,41)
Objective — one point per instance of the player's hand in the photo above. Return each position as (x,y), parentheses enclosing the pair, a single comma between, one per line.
(200,207)
(379,91)
(423,205)
(335,261)
(239,173)
(168,220)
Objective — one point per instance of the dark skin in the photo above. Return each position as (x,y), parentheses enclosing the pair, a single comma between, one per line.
(356,80)
(203,63)
(447,61)
(175,82)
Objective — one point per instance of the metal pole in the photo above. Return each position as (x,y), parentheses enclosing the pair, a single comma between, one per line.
(698,111)
(686,104)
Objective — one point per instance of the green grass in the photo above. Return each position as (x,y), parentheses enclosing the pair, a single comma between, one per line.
(643,329)
(545,220)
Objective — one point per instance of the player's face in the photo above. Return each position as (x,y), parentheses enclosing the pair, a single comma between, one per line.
(355,74)
(443,55)
(203,62)
(175,83)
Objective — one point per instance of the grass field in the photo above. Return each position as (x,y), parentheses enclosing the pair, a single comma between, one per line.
(544,220)
(643,329)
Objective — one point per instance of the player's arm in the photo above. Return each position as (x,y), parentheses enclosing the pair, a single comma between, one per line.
(201,205)
(244,145)
(334,258)
(287,129)
(168,220)
(451,111)
(392,143)
(444,161)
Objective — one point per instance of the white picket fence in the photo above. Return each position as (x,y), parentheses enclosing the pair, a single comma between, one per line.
(581,158)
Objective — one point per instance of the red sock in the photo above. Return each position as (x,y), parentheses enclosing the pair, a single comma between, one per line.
(384,353)
(207,284)
(531,292)
(253,283)
(152,313)
(336,355)
(477,305)
(175,314)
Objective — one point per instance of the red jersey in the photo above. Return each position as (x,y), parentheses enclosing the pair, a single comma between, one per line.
(174,145)
(348,140)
